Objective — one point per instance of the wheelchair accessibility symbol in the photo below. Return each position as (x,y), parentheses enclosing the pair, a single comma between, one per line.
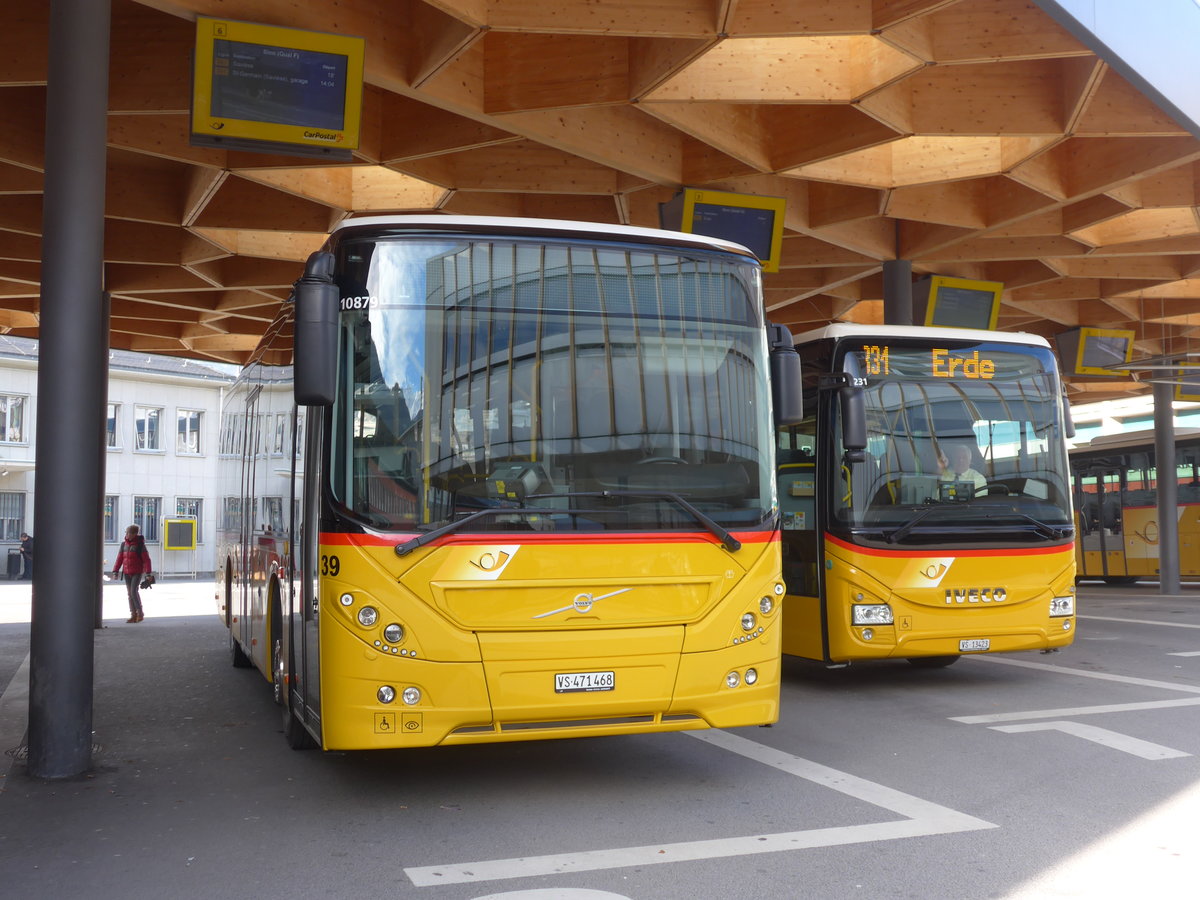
(385,723)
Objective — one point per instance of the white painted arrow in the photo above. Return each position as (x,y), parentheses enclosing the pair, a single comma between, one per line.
(1102,736)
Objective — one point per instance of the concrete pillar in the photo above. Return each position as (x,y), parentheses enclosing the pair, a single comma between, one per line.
(897,292)
(1168,489)
(72,388)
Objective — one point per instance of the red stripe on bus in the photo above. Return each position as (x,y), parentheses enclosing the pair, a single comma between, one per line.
(936,551)
(653,537)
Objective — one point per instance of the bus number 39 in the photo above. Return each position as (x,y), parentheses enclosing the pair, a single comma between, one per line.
(330,565)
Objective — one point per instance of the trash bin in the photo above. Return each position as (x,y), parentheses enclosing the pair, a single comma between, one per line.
(14,563)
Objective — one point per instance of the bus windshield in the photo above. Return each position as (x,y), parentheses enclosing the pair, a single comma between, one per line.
(582,385)
(962,437)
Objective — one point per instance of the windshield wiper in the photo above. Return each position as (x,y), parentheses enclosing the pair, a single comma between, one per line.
(728,541)
(1045,529)
(422,539)
(900,533)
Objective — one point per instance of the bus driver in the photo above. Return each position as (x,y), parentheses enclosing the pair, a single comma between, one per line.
(956,466)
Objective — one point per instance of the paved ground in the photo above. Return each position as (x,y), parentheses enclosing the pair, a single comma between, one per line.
(1022,776)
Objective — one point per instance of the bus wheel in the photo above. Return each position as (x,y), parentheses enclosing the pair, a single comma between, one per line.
(933,662)
(236,655)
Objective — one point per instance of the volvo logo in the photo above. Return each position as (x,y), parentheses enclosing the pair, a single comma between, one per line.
(976,595)
(582,603)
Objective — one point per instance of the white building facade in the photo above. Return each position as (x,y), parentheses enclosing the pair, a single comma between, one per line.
(163,418)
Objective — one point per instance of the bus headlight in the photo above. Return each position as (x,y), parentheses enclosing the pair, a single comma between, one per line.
(393,633)
(367,616)
(765,605)
(386,694)
(733,679)
(1062,606)
(871,614)
(411,696)
(751,676)
(748,622)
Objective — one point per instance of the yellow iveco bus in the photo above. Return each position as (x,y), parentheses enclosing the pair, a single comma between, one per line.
(498,479)
(925,497)
(1116,500)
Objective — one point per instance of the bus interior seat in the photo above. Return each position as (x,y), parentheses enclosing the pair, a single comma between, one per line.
(1110,515)
(1089,516)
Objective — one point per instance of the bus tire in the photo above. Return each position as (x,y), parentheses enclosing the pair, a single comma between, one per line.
(933,662)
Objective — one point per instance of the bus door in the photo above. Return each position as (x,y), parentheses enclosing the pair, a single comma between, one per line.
(310,470)
(1101,514)
(796,480)
(241,623)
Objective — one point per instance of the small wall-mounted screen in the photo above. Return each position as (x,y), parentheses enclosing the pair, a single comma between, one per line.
(750,220)
(1102,351)
(284,85)
(956,302)
(752,228)
(276,90)
(1188,387)
(1095,352)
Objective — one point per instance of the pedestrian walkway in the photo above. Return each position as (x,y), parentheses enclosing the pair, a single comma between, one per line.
(168,597)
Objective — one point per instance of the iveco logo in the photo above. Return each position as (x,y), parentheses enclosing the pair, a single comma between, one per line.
(976,595)
(582,603)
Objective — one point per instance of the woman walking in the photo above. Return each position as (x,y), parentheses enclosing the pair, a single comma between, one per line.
(133,560)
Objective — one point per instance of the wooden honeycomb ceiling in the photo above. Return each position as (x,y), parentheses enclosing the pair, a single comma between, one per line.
(975,137)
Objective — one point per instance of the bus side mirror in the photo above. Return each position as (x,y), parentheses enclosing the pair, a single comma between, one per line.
(854,422)
(315,332)
(787,392)
(1068,419)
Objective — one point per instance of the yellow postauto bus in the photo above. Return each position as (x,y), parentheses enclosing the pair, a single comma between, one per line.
(498,479)
(1116,502)
(925,497)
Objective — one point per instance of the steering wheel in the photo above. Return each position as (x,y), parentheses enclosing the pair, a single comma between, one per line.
(997,488)
(671,460)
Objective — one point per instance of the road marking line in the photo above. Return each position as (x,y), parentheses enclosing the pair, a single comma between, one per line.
(1186,653)
(1139,621)
(1102,736)
(1075,711)
(1083,673)
(925,818)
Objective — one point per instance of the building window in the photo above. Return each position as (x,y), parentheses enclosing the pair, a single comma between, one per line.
(273,511)
(146,427)
(231,519)
(110,519)
(191,508)
(112,424)
(279,445)
(188,438)
(145,516)
(12,515)
(12,419)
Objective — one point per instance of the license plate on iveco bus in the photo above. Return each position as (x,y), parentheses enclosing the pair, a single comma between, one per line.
(974,645)
(569,682)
